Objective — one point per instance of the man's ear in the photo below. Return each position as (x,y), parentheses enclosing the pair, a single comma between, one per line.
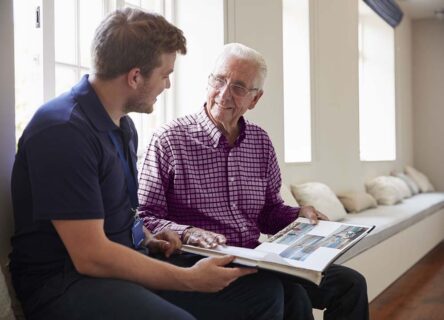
(134,78)
(255,99)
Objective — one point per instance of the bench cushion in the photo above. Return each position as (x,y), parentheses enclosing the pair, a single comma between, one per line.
(389,220)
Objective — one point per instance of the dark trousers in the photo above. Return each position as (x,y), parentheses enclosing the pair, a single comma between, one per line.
(342,293)
(73,296)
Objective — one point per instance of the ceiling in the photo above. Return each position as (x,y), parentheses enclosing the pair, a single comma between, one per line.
(420,9)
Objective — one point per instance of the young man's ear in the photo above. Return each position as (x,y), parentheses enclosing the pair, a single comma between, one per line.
(255,99)
(134,78)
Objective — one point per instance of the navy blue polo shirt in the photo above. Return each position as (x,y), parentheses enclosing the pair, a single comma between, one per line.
(67,168)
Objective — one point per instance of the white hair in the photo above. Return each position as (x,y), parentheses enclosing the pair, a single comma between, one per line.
(242,51)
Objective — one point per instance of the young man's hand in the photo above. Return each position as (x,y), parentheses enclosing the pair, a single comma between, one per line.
(211,275)
(163,242)
(203,238)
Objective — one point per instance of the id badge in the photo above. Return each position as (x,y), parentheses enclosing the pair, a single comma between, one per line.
(137,233)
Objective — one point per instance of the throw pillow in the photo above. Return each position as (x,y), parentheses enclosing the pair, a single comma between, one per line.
(420,178)
(5,301)
(288,198)
(321,197)
(402,187)
(409,181)
(355,202)
(383,190)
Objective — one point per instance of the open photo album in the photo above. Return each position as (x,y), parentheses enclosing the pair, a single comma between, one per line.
(301,249)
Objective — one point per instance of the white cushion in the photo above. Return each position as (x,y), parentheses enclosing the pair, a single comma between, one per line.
(321,197)
(420,179)
(288,198)
(409,181)
(355,202)
(5,301)
(384,190)
(402,187)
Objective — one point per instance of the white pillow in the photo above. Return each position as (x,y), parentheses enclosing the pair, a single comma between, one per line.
(288,198)
(402,187)
(383,190)
(5,301)
(321,197)
(409,181)
(355,202)
(421,179)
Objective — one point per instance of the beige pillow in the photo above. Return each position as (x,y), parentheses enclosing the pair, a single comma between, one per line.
(383,190)
(5,301)
(355,202)
(288,198)
(402,187)
(420,179)
(321,197)
(414,189)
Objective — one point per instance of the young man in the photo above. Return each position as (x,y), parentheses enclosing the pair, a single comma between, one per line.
(213,177)
(79,250)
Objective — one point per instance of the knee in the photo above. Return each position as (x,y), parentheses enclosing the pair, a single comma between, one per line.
(357,281)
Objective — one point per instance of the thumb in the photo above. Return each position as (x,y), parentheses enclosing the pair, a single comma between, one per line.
(223,261)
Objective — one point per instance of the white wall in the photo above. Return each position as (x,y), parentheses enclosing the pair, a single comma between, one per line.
(258,23)
(7,123)
(428,92)
(192,70)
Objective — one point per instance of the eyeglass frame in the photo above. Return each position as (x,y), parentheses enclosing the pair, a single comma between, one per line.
(230,86)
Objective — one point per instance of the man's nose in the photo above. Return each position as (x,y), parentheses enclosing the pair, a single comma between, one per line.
(225,92)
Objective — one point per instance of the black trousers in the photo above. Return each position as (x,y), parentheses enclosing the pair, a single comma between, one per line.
(342,293)
(72,296)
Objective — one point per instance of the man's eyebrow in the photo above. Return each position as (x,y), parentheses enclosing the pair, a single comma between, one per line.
(236,82)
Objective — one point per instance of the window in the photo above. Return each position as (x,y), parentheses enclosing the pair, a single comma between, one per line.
(52,54)
(296,59)
(377,121)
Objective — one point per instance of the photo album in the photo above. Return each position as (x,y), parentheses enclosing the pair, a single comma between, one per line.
(301,249)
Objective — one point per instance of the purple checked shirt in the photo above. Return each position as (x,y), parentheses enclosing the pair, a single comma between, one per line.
(192,177)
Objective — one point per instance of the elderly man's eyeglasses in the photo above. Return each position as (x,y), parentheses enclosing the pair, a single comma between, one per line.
(235,89)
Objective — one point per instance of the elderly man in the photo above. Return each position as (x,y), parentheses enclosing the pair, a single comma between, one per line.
(213,177)
(79,251)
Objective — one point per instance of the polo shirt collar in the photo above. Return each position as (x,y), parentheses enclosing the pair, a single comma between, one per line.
(213,132)
(88,100)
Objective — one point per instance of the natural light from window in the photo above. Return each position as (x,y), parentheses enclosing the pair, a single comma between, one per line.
(377,121)
(52,56)
(296,59)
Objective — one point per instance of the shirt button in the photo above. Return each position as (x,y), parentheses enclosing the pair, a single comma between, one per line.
(233,205)
(231,179)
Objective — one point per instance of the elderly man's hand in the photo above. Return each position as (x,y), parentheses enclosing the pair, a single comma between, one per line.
(203,238)
(312,214)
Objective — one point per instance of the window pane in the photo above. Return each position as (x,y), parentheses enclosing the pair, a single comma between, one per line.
(28,63)
(65,31)
(65,78)
(377,121)
(297,108)
(90,15)
(135,3)
(152,5)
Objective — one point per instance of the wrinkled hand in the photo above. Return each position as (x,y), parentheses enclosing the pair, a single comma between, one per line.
(166,242)
(211,275)
(312,214)
(203,238)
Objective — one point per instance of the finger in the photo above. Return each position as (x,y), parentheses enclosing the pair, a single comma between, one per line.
(222,261)
(163,246)
(221,239)
(322,216)
(240,272)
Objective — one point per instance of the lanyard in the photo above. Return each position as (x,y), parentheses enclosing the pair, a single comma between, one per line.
(130,179)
